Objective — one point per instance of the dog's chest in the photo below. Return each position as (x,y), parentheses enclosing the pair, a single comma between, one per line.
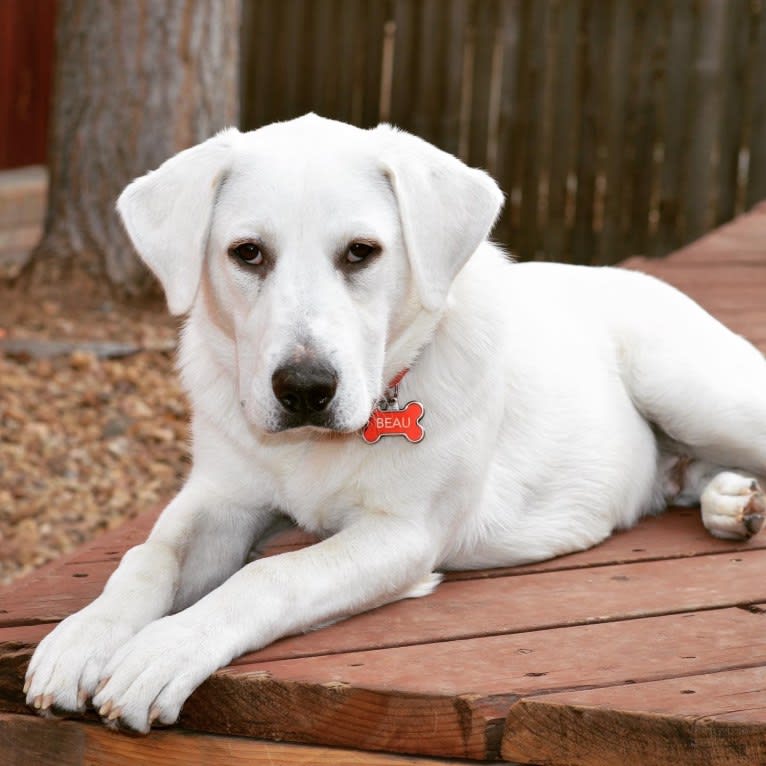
(321,486)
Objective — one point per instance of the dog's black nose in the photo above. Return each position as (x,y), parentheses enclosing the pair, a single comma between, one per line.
(304,388)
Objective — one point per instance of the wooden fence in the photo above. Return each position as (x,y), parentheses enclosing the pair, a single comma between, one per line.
(615,127)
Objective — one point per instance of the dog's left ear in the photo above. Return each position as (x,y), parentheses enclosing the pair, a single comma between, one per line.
(446,209)
(167,214)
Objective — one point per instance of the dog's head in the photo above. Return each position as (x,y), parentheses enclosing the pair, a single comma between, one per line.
(317,245)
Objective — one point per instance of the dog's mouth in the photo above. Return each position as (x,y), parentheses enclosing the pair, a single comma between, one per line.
(325,423)
(313,432)
(321,421)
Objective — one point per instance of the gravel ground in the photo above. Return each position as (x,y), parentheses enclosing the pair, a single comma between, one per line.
(93,425)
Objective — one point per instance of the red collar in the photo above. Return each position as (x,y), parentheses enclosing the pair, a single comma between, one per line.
(398,379)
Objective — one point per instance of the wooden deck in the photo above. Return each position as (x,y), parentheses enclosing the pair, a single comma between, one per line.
(648,649)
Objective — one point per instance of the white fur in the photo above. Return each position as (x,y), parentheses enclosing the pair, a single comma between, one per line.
(541,385)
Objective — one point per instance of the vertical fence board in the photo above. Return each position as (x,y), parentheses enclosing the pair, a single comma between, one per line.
(509,32)
(428,79)
(274,82)
(564,84)
(455,19)
(405,62)
(456,22)
(704,114)
(610,249)
(674,121)
(756,185)
(613,126)
(303,60)
(531,107)
(634,105)
(346,48)
(326,60)
(594,27)
(734,55)
(377,14)
(513,168)
(485,19)
(293,96)
(247,65)
(649,45)
(260,47)
(361,57)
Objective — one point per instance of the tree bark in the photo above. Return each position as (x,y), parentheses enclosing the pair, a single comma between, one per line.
(135,82)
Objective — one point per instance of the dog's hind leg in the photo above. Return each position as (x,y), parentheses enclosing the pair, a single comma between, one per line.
(699,383)
(704,387)
(732,503)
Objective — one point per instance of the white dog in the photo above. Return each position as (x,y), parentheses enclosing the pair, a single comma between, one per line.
(319,263)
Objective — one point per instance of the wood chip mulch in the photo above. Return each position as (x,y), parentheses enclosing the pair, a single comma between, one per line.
(93,424)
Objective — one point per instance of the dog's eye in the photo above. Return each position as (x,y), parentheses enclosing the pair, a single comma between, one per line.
(360,251)
(247,252)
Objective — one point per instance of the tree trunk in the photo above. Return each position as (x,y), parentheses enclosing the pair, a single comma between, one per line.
(135,82)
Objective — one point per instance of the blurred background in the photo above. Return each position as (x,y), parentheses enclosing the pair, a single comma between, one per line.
(615,127)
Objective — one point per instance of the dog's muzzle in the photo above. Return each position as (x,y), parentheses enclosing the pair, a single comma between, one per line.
(305,390)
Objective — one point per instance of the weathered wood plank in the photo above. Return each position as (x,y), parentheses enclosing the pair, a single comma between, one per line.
(523,663)
(678,533)
(725,302)
(449,698)
(25,740)
(16,645)
(455,726)
(433,699)
(709,270)
(59,590)
(715,719)
(504,605)
(747,230)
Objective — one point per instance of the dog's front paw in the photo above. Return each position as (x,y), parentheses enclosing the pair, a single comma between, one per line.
(733,506)
(151,676)
(65,668)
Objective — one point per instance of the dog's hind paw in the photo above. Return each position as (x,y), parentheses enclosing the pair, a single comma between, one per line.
(733,506)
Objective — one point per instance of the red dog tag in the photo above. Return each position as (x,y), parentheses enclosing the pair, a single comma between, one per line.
(395,422)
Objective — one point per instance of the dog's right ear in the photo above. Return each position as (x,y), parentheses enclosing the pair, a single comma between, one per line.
(167,214)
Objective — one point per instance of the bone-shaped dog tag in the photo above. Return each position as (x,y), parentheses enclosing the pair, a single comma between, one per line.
(395,421)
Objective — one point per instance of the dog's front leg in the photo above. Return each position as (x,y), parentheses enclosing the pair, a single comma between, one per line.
(375,560)
(198,541)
